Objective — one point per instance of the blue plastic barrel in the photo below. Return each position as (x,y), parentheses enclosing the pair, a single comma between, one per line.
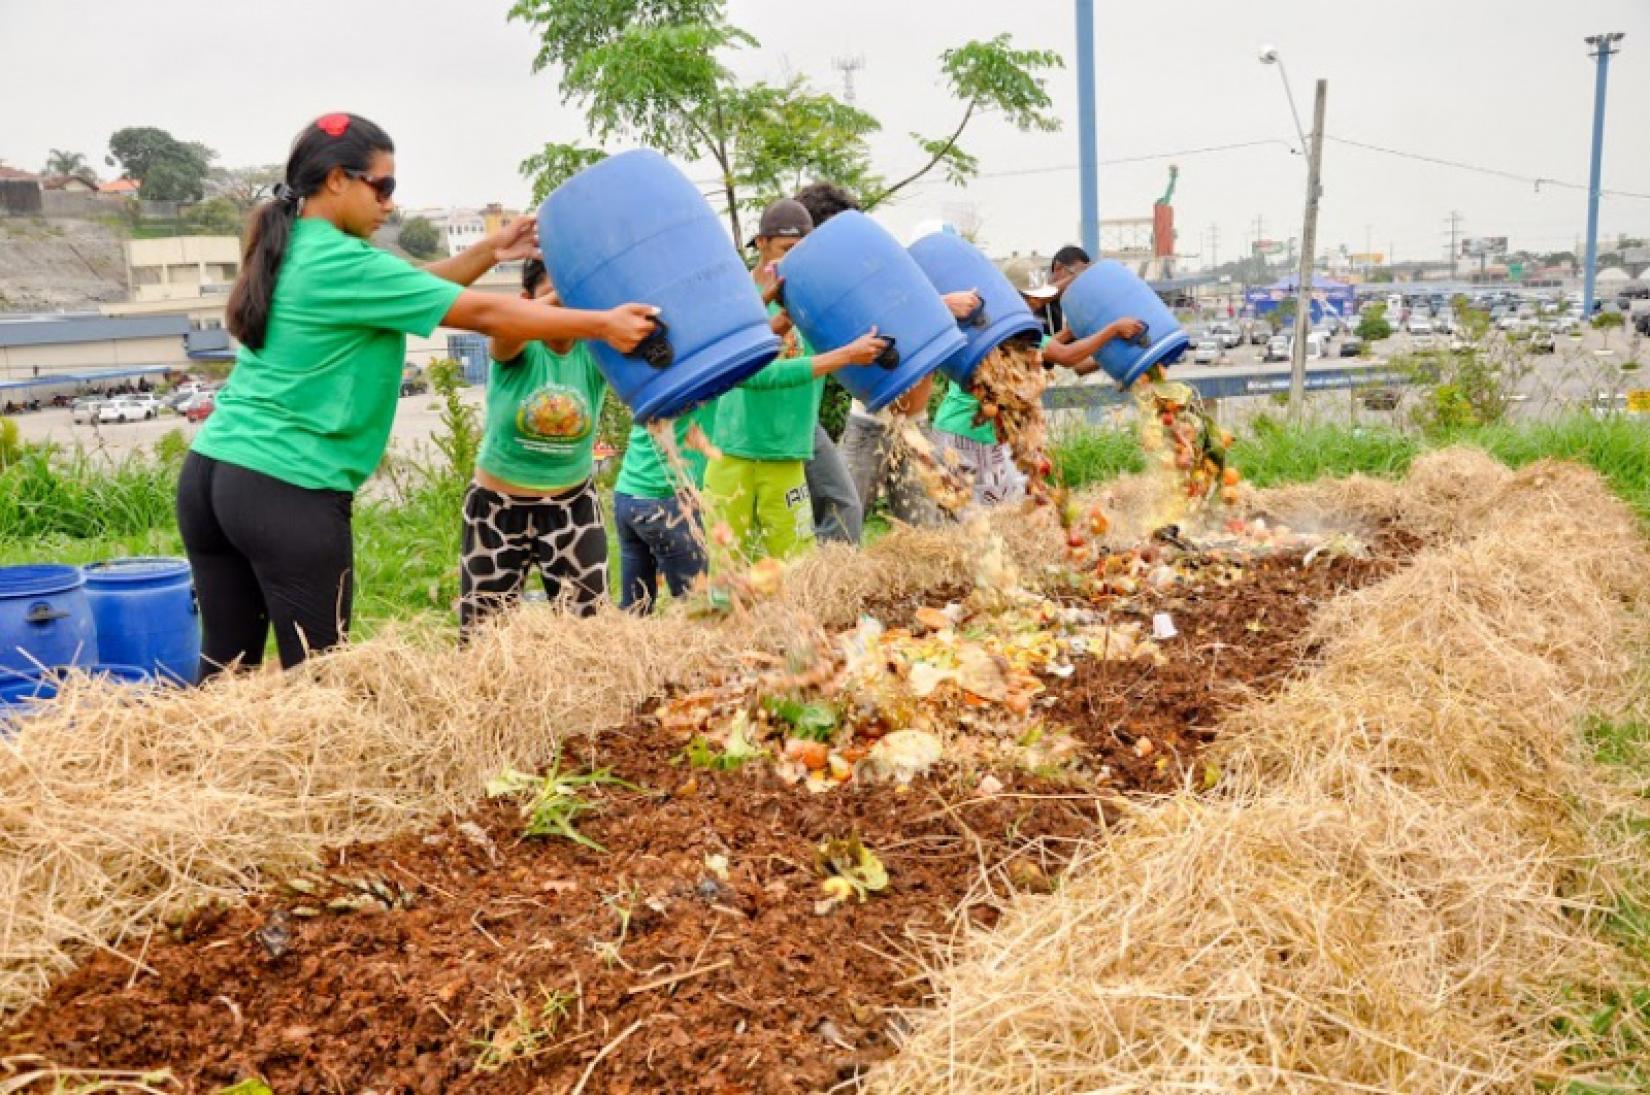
(146,615)
(633,228)
(850,275)
(1109,291)
(22,691)
(953,265)
(45,618)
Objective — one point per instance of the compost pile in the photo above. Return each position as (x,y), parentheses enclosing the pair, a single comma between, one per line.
(1009,383)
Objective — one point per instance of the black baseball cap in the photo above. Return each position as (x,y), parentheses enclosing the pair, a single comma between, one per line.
(785,217)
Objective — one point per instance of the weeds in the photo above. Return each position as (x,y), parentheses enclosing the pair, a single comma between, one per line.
(525,1032)
(553,801)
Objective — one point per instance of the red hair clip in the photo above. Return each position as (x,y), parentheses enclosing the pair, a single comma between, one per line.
(334,125)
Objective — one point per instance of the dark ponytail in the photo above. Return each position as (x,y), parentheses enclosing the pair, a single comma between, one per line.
(348,141)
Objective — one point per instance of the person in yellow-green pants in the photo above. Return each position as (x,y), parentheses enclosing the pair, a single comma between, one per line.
(765,427)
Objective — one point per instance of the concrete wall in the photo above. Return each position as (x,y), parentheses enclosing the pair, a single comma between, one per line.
(75,203)
(181,267)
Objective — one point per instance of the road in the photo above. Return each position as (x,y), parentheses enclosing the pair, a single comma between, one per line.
(416,421)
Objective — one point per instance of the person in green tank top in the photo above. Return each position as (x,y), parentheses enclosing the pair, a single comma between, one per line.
(532,504)
(765,427)
(322,317)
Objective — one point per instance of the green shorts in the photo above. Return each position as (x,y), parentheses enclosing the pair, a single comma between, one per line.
(764,502)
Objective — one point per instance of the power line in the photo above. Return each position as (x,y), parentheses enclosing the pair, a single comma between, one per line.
(1537,180)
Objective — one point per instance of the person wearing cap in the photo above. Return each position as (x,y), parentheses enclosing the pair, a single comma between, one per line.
(968,435)
(757,484)
(532,504)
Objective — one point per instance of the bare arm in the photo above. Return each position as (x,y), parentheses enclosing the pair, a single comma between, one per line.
(516,240)
(511,319)
(1077,354)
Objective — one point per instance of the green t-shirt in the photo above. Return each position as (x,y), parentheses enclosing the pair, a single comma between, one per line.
(541,417)
(956,416)
(313,407)
(644,473)
(772,415)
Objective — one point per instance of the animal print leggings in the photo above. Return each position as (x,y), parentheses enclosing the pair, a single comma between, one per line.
(505,537)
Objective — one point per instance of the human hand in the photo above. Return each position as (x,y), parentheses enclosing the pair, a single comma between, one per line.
(865,349)
(626,325)
(517,240)
(963,304)
(1126,328)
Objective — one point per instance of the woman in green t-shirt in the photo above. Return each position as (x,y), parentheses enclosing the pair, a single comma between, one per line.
(533,503)
(322,316)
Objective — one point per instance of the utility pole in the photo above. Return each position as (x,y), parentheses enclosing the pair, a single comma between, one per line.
(1214,246)
(848,66)
(1602,50)
(1454,238)
(1088,163)
(1309,244)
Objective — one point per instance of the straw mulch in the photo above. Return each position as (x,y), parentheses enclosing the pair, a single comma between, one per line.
(115,814)
(1398,884)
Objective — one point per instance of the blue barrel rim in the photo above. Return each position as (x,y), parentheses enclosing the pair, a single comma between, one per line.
(1165,351)
(135,568)
(666,397)
(39,579)
(889,386)
(960,367)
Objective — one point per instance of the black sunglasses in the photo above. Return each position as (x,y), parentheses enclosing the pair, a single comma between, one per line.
(382,185)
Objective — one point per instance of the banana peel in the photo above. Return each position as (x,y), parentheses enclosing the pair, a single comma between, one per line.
(851,870)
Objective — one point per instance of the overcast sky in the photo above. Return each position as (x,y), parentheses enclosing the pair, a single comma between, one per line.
(1506,84)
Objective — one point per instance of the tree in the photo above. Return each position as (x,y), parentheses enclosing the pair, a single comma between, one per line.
(649,71)
(419,238)
(1373,324)
(1283,315)
(214,217)
(61,162)
(244,187)
(169,169)
(989,78)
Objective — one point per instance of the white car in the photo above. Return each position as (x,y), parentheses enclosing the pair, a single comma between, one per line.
(1418,325)
(1208,352)
(125,410)
(1226,335)
(1277,349)
(85,410)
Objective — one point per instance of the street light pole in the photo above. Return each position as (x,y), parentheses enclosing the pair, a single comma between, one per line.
(1309,246)
(1088,166)
(1602,50)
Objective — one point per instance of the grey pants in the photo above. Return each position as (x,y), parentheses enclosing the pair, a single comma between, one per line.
(837,512)
(867,446)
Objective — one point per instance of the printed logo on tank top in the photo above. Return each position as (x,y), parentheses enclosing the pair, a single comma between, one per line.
(553,418)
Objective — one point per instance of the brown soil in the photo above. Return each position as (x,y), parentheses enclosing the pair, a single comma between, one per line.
(407,994)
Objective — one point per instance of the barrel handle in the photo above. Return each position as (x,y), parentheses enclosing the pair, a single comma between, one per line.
(976,318)
(1144,338)
(655,349)
(889,357)
(42,612)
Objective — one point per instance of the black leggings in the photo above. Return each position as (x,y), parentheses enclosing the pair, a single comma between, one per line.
(264,551)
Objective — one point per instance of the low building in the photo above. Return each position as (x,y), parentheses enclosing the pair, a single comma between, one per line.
(120,188)
(70,184)
(181,267)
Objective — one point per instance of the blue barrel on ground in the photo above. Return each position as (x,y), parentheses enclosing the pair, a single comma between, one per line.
(1110,291)
(146,616)
(45,618)
(953,265)
(850,275)
(21,692)
(632,228)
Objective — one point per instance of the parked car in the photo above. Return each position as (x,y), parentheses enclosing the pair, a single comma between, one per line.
(1260,334)
(1226,335)
(151,406)
(1641,323)
(1208,352)
(85,410)
(201,407)
(1352,346)
(124,409)
(1541,342)
(1277,349)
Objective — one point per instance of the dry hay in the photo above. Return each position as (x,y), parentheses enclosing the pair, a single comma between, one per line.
(115,814)
(1403,866)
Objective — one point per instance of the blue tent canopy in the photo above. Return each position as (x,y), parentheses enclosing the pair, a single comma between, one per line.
(52,380)
(1328,297)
